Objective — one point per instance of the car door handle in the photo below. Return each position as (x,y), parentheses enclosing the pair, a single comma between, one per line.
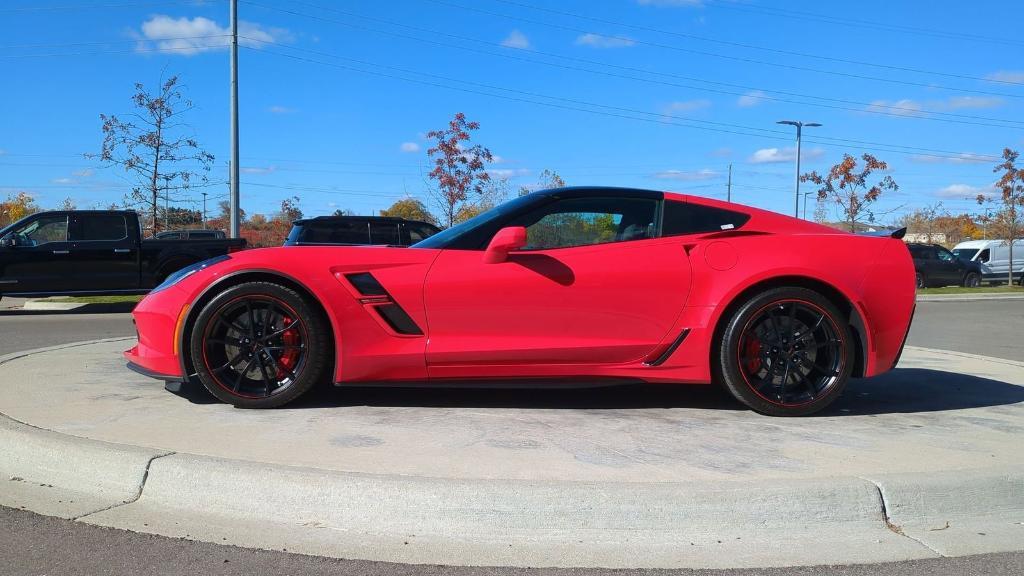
(122,250)
(62,251)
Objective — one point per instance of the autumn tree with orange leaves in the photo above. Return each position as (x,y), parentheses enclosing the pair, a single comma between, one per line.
(846,184)
(458,169)
(1008,222)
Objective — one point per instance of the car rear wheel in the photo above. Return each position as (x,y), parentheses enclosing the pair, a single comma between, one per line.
(919,280)
(972,280)
(259,345)
(786,352)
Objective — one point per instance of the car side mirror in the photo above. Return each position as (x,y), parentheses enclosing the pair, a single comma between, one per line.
(9,241)
(505,241)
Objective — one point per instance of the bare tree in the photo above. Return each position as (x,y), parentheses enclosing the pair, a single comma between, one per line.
(156,148)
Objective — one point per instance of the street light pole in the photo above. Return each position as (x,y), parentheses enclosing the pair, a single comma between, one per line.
(204,210)
(233,169)
(799,129)
(806,194)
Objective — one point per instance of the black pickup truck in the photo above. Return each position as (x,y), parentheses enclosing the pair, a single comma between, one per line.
(92,252)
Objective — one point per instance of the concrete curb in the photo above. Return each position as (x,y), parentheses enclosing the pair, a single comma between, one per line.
(969,356)
(60,475)
(48,305)
(510,522)
(82,307)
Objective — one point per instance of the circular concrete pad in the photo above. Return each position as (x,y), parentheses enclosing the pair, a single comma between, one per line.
(928,415)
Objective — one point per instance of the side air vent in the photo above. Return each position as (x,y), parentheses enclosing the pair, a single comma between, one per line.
(366,284)
(379,302)
(398,320)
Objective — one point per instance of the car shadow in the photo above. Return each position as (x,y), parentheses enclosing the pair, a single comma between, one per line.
(902,391)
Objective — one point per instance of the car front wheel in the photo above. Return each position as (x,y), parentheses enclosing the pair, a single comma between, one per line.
(259,345)
(786,352)
(972,280)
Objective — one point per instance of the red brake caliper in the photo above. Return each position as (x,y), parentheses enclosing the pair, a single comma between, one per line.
(289,356)
(751,355)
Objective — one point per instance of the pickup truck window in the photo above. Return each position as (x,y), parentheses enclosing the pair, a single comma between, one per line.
(43,230)
(102,227)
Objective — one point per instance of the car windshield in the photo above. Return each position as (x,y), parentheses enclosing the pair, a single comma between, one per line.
(442,238)
(965,253)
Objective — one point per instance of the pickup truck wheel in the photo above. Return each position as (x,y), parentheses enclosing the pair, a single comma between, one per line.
(785,352)
(259,345)
(919,280)
(972,280)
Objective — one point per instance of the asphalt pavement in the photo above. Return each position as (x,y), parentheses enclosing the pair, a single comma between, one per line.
(34,545)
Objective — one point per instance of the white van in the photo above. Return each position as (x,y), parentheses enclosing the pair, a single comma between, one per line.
(994,257)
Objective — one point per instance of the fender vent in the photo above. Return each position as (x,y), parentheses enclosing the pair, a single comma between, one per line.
(377,299)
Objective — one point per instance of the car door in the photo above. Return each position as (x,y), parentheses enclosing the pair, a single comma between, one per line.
(40,261)
(948,268)
(104,251)
(594,285)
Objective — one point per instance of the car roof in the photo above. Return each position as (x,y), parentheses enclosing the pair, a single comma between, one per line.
(975,244)
(358,218)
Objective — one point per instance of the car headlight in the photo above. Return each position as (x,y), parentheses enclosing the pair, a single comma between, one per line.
(187,271)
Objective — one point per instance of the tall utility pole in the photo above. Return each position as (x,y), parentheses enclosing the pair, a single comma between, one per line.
(204,210)
(799,129)
(233,169)
(728,186)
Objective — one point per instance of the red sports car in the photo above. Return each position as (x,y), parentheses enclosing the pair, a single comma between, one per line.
(585,285)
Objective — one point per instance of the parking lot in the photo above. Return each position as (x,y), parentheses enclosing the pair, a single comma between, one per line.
(957,326)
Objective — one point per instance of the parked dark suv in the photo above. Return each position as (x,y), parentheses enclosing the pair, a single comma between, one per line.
(936,266)
(350,230)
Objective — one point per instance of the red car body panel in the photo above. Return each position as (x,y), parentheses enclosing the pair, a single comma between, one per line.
(597,311)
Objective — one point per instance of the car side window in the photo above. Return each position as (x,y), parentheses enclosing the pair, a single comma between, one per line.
(945,255)
(984,256)
(384,233)
(685,218)
(586,221)
(102,228)
(43,230)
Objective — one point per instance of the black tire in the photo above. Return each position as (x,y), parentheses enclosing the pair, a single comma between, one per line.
(920,281)
(972,280)
(791,334)
(259,345)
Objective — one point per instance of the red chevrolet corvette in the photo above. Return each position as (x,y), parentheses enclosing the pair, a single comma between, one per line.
(585,285)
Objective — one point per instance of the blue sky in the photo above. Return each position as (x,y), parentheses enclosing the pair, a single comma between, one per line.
(664,94)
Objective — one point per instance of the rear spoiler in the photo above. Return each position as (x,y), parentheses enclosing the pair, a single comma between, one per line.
(897,234)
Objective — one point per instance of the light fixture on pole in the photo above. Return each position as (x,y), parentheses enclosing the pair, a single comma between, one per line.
(799,130)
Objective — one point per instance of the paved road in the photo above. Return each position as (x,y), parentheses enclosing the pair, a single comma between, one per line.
(35,545)
(990,328)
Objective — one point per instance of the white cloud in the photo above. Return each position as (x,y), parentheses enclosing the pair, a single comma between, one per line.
(720,153)
(599,41)
(752,98)
(508,172)
(688,176)
(904,107)
(908,107)
(774,155)
(63,181)
(961,102)
(961,158)
(276,109)
(687,106)
(410,147)
(516,39)
(85,173)
(1007,76)
(188,36)
(670,2)
(257,169)
(962,191)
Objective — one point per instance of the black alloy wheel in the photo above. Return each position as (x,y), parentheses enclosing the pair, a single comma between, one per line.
(786,352)
(259,345)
